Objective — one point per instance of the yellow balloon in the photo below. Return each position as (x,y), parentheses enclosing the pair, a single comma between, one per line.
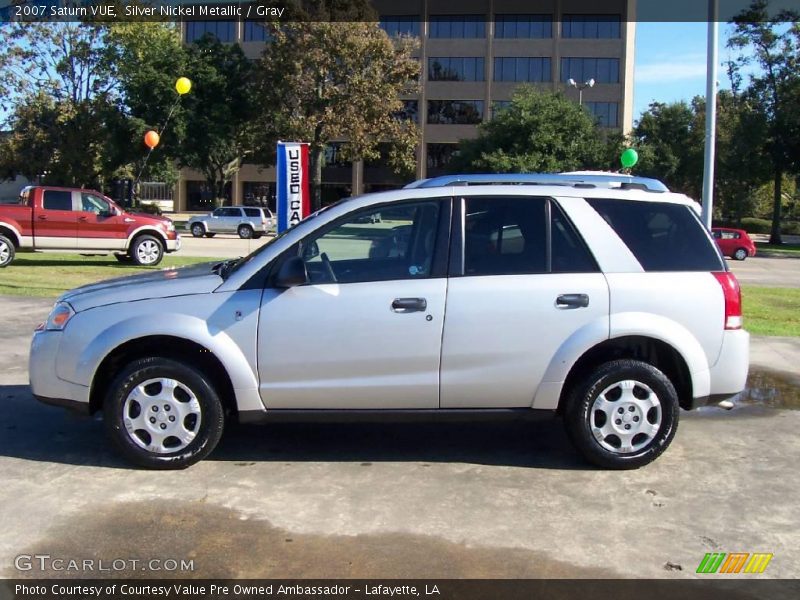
(183,85)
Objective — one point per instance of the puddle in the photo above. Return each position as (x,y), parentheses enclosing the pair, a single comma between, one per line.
(770,390)
(223,544)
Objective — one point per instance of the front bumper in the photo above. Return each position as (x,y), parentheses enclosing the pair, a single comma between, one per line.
(45,383)
(175,244)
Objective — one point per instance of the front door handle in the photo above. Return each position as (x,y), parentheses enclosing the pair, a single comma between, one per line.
(42,217)
(572,301)
(407,305)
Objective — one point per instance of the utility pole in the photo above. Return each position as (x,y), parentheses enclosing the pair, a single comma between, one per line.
(711,113)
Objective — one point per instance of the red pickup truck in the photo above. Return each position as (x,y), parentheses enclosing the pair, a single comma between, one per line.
(53,218)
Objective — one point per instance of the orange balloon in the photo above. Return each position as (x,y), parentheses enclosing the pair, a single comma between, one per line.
(151,139)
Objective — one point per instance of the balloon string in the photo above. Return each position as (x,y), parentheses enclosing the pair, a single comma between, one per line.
(163,129)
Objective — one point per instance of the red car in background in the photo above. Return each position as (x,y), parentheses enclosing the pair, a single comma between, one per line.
(734,243)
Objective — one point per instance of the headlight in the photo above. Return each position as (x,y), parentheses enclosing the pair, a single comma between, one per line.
(59,317)
(169,226)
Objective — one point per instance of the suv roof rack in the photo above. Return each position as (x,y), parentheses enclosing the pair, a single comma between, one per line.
(578,179)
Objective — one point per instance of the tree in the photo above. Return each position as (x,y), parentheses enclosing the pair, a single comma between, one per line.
(219,114)
(537,132)
(771,42)
(320,82)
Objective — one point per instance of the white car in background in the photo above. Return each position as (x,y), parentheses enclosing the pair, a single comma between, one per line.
(245,221)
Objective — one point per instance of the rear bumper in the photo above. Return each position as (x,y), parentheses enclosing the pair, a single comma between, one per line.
(728,376)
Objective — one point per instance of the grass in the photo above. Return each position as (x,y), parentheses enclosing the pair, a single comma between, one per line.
(771,311)
(767,310)
(48,275)
(783,249)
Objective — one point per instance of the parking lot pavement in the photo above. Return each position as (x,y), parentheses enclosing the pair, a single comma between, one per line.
(399,500)
(768,271)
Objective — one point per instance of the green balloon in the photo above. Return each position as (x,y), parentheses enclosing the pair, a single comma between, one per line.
(629,158)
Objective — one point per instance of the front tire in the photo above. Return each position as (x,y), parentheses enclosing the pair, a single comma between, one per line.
(147,251)
(740,254)
(198,230)
(245,232)
(7,251)
(623,416)
(163,414)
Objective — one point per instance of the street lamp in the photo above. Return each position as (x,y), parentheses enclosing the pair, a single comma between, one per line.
(580,87)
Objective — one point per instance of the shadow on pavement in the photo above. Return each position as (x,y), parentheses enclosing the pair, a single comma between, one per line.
(33,431)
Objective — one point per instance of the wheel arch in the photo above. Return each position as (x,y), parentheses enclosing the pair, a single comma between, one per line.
(656,352)
(11,232)
(145,230)
(164,346)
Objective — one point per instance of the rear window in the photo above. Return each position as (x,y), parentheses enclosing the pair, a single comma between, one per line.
(57,200)
(662,236)
(252,212)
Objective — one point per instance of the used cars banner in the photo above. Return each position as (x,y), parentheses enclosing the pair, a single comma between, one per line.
(294,201)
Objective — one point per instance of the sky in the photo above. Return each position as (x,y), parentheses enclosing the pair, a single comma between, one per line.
(670,62)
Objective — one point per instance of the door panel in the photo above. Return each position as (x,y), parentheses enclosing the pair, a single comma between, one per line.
(334,346)
(503,331)
(56,225)
(99,232)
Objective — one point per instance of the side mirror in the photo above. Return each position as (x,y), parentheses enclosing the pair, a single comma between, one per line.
(292,272)
(106,213)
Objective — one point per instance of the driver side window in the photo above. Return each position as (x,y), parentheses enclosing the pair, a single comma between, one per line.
(93,204)
(377,244)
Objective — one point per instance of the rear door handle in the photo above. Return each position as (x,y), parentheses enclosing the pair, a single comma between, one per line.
(572,301)
(407,305)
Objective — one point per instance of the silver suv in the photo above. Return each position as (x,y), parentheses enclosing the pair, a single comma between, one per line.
(600,298)
(246,221)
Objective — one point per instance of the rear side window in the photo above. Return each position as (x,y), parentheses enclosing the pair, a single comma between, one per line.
(252,212)
(570,254)
(57,200)
(662,236)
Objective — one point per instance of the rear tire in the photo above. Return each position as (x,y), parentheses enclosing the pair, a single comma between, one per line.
(623,415)
(198,230)
(147,251)
(245,232)
(163,414)
(740,254)
(7,251)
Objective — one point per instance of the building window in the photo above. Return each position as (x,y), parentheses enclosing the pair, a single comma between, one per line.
(590,26)
(224,31)
(440,155)
(522,68)
(334,156)
(455,112)
(602,70)
(458,26)
(499,106)
(523,26)
(258,193)
(395,25)
(606,113)
(409,112)
(456,68)
(255,31)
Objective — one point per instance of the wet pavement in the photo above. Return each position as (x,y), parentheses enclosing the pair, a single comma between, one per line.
(497,499)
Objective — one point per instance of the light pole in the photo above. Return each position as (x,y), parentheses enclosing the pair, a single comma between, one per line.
(580,87)
(711,114)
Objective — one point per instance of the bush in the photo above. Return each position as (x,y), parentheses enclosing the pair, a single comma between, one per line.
(755,225)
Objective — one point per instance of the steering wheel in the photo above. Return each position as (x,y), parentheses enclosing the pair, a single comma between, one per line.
(326,262)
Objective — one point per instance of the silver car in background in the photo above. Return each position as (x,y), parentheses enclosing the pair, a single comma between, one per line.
(245,221)
(603,300)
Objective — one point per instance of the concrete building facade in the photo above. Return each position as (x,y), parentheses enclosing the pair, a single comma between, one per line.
(473,54)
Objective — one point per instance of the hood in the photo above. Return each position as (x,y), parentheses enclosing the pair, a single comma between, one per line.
(185,281)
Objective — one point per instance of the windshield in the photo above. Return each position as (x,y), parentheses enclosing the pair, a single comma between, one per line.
(234,266)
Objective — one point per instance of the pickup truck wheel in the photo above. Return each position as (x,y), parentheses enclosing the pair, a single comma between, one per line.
(198,230)
(163,414)
(7,252)
(623,415)
(245,232)
(147,251)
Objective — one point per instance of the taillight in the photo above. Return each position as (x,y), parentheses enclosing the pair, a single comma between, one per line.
(733,299)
